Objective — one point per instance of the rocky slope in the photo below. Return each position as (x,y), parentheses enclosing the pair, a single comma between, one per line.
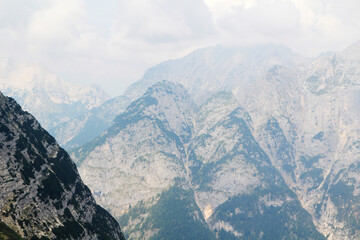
(41,193)
(51,100)
(139,135)
(190,170)
(315,146)
(305,115)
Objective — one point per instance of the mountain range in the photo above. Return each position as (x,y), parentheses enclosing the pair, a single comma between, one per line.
(236,143)
(200,166)
(304,119)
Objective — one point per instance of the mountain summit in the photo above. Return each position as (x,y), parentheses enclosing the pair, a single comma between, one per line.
(167,169)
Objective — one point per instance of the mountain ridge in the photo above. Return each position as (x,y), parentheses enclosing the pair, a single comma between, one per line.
(41,193)
(236,166)
(304,116)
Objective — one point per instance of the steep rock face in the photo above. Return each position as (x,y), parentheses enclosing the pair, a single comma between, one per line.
(239,191)
(333,128)
(41,193)
(89,125)
(314,145)
(195,161)
(51,100)
(305,115)
(144,148)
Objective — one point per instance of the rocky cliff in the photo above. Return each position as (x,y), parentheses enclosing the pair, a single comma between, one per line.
(41,193)
(305,116)
(190,170)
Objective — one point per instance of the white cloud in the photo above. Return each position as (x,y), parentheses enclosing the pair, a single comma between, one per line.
(58,22)
(159,21)
(219,8)
(266,18)
(308,26)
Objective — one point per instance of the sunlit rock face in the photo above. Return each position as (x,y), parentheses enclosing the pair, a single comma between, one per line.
(305,115)
(41,193)
(184,166)
(145,148)
(314,146)
(282,134)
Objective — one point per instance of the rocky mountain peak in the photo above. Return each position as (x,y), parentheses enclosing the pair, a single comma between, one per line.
(168,102)
(189,183)
(41,193)
(298,152)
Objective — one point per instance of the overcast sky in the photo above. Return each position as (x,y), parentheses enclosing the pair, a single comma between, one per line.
(112,42)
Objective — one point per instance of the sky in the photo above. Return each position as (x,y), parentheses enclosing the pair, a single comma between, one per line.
(112,42)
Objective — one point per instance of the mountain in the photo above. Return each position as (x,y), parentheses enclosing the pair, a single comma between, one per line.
(87,126)
(51,100)
(41,193)
(305,116)
(128,131)
(190,172)
(217,68)
(311,137)
(203,71)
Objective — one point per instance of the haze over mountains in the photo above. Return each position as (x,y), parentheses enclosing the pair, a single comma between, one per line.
(237,143)
(304,116)
(50,99)
(90,124)
(217,68)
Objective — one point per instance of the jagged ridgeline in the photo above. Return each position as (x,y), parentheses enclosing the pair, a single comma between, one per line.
(50,99)
(305,115)
(168,169)
(41,193)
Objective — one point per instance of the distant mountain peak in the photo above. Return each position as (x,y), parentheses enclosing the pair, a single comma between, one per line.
(217,68)
(50,99)
(352,52)
(166,87)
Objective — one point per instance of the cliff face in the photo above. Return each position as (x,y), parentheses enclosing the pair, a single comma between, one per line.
(305,115)
(299,117)
(191,171)
(41,193)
